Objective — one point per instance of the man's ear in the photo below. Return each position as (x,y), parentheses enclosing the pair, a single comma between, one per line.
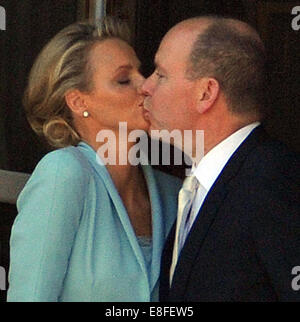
(75,101)
(208,90)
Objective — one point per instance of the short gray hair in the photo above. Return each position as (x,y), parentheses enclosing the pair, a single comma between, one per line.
(236,59)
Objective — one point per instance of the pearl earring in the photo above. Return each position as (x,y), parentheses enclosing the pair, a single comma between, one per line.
(86,114)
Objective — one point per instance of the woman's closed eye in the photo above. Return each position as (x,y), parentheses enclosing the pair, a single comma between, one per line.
(124,81)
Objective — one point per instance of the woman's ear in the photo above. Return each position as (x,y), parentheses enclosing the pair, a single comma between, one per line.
(75,101)
(207,91)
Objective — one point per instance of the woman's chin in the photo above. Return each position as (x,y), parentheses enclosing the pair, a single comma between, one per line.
(143,125)
(146,126)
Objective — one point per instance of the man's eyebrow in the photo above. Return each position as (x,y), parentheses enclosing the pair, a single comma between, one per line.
(158,65)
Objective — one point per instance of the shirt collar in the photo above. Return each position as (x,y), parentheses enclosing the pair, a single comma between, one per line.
(212,164)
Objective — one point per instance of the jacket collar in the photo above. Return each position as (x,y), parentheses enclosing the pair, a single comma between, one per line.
(157,218)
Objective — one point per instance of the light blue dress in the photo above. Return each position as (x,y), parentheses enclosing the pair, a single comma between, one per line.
(72,239)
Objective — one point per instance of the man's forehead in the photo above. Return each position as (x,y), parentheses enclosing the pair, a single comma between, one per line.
(190,27)
(176,43)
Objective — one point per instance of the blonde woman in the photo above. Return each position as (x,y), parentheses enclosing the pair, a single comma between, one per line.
(85,231)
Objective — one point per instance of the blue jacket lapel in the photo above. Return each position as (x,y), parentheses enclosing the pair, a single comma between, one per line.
(157,218)
(100,168)
(158,232)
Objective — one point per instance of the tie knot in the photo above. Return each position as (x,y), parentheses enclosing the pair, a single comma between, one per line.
(190,183)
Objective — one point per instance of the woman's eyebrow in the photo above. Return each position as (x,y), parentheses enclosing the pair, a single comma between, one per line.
(128,66)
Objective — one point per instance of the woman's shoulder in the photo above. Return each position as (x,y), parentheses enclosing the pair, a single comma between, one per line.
(65,163)
(58,173)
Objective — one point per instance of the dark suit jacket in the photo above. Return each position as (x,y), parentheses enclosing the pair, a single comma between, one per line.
(246,238)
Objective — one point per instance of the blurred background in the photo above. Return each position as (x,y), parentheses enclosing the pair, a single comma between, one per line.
(31,23)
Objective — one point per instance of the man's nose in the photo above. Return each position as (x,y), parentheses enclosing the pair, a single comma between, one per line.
(146,87)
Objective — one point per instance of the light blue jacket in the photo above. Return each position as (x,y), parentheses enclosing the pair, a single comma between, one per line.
(72,239)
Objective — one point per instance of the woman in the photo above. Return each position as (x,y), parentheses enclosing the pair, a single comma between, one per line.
(85,231)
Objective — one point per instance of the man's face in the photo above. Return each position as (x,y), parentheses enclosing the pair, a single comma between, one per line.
(170,96)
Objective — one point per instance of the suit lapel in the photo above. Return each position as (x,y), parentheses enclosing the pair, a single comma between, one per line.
(208,213)
(166,264)
(196,237)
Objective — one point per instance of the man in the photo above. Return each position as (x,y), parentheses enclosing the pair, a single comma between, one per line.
(237,236)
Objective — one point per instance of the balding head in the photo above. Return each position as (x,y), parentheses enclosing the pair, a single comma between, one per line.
(230,51)
(196,25)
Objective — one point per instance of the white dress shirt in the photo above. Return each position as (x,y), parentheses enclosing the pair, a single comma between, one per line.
(212,164)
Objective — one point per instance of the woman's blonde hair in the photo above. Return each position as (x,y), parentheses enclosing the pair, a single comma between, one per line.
(63,65)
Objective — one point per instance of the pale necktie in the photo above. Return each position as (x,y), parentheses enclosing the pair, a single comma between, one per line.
(199,197)
(185,199)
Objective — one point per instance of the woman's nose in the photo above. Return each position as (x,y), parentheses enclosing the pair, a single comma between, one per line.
(141,82)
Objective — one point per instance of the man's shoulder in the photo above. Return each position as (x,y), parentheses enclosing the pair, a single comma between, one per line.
(262,155)
(262,166)
(272,158)
(270,170)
